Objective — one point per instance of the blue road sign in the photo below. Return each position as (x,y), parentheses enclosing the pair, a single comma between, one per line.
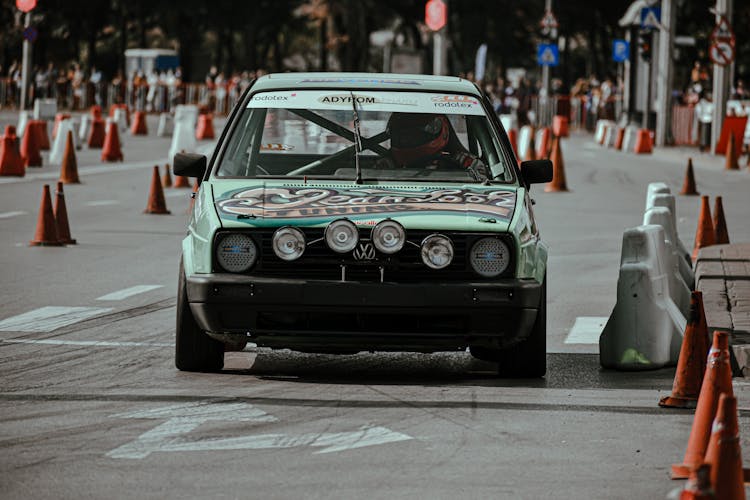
(620,50)
(650,18)
(30,34)
(547,54)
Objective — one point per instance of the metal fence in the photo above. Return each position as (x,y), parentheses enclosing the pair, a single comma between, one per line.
(151,98)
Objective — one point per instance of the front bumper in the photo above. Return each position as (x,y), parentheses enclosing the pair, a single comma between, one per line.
(312,315)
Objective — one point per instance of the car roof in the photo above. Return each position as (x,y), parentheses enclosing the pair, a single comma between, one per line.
(370,81)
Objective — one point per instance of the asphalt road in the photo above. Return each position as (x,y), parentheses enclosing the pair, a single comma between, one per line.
(91,405)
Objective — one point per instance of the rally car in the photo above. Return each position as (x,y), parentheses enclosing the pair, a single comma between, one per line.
(342,213)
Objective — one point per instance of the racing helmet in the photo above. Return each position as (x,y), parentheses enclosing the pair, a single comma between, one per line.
(417,135)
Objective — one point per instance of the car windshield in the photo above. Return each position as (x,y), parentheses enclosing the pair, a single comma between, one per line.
(416,136)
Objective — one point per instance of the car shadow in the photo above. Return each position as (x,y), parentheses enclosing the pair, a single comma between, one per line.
(564,370)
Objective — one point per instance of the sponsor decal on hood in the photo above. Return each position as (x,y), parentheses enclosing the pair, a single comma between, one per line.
(303,202)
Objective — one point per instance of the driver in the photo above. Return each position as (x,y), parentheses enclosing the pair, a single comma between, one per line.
(422,139)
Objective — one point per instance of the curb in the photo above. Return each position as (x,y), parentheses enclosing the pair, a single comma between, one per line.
(722,273)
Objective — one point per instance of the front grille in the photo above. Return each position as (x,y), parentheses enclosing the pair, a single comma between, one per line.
(406,266)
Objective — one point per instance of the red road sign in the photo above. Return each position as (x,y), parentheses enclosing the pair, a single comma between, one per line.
(25,5)
(722,30)
(549,21)
(435,14)
(721,53)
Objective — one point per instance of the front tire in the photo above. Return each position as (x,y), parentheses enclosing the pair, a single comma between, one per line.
(194,350)
(527,359)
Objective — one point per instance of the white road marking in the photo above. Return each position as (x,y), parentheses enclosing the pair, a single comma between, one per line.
(102,203)
(86,343)
(179,193)
(8,215)
(586,330)
(83,171)
(47,319)
(183,419)
(129,292)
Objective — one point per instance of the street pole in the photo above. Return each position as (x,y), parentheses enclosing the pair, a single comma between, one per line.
(25,63)
(647,105)
(665,73)
(721,79)
(440,53)
(545,68)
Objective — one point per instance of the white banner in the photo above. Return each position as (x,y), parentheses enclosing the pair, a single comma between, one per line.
(401,102)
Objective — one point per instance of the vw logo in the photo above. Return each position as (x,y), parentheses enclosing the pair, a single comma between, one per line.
(364,251)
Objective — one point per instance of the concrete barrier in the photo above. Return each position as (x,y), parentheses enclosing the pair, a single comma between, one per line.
(83,131)
(524,140)
(183,139)
(166,125)
(601,130)
(645,329)
(628,140)
(659,195)
(187,112)
(23,120)
(678,288)
(58,146)
(121,119)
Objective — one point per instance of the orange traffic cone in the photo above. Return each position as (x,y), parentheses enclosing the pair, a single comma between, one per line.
(96,134)
(558,183)
(717,379)
(61,217)
(704,235)
(167,179)
(730,156)
(720,223)
(156,202)
(96,112)
(30,151)
(643,144)
(139,124)
(688,186)
(205,129)
(46,227)
(724,454)
(692,361)
(11,162)
(531,150)
(43,136)
(544,148)
(513,139)
(180,181)
(111,150)
(560,126)
(69,169)
(698,485)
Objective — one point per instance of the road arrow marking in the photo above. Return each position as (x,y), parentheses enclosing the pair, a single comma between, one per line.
(182,419)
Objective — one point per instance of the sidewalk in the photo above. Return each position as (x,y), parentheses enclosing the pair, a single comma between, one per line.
(722,273)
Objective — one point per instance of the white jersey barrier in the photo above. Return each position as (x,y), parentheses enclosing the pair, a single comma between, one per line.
(121,119)
(83,131)
(524,141)
(166,125)
(183,138)
(645,329)
(23,120)
(601,130)
(61,139)
(628,139)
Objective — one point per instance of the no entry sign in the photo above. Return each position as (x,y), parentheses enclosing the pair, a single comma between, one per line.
(25,5)
(721,53)
(435,14)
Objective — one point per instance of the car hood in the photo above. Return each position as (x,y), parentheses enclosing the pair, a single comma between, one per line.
(458,207)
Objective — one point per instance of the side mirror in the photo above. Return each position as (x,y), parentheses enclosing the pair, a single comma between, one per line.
(190,165)
(536,171)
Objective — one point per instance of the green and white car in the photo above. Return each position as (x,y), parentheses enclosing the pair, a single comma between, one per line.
(323,224)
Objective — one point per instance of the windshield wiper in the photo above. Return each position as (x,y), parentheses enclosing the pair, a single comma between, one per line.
(357,141)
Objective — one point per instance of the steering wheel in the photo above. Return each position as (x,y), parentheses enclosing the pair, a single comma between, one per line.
(441,162)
